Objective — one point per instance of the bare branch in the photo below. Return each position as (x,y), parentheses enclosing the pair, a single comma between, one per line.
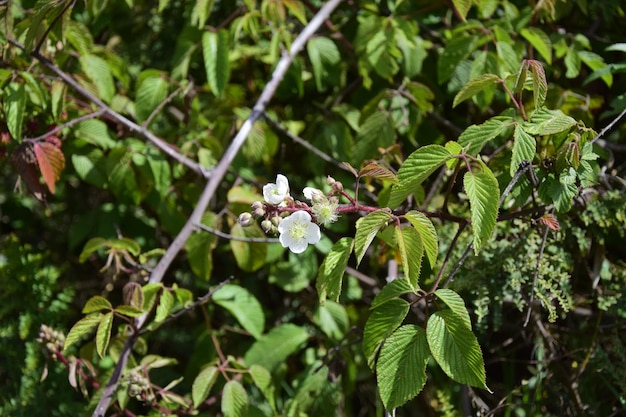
(609,126)
(211,186)
(231,237)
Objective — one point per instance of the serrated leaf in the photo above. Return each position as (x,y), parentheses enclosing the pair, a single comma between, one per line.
(596,62)
(375,170)
(215,53)
(401,367)
(92,246)
(90,167)
(476,136)
(249,256)
(540,41)
(381,323)
(99,73)
(14,104)
(483,192)
(540,83)
(381,52)
(263,380)
(272,349)
(128,311)
(455,303)
(508,57)
(462,7)
(332,319)
(324,55)
(150,293)
(330,275)
(150,94)
(234,400)
(411,251)
(427,231)
(417,167)
(95,132)
(81,328)
(392,290)
(244,306)
(561,191)
(202,385)
(456,50)
(366,229)
(166,301)
(103,334)
(548,122)
(524,148)
(456,349)
(96,303)
(475,86)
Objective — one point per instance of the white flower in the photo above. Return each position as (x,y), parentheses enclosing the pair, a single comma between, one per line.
(276,194)
(310,193)
(326,211)
(297,232)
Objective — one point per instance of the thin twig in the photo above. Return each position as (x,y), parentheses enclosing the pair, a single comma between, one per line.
(536,274)
(609,126)
(212,185)
(71,123)
(237,238)
(304,143)
(49,28)
(163,103)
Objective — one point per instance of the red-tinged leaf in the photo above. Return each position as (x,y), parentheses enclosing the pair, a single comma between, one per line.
(375,170)
(350,168)
(550,221)
(51,162)
(25,163)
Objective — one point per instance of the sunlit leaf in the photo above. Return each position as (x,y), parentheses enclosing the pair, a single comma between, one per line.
(381,323)
(202,384)
(483,192)
(234,400)
(81,328)
(103,334)
(273,348)
(215,46)
(366,229)
(330,275)
(244,306)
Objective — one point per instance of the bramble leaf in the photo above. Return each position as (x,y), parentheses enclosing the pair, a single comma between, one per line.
(215,52)
(476,136)
(524,148)
(401,367)
(103,334)
(202,385)
(96,303)
(475,86)
(250,256)
(462,7)
(150,94)
(166,302)
(330,275)
(427,231)
(81,328)
(548,122)
(14,104)
(455,303)
(483,192)
(234,400)
(366,229)
(455,348)
(411,251)
(273,348)
(242,304)
(381,323)
(392,290)
(417,167)
(540,41)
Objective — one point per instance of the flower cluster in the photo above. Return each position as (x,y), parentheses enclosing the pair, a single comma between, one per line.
(296,222)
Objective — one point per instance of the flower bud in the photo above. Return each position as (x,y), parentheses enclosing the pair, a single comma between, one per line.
(276,220)
(266,225)
(337,186)
(330,180)
(246,219)
(258,209)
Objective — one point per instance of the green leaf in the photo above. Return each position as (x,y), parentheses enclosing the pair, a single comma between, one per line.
(324,57)
(376,131)
(150,294)
(249,256)
(332,319)
(392,290)
(201,12)
(90,167)
(291,279)
(128,311)
(381,323)
(509,58)
(96,303)
(596,62)
(540,83)
(417,167)
(463,7)
(242,304)
(382,53)
(263,380)
(457,49)
(401,367)
(215,53)
(411,251)
(540,41)
(14,104)
(95,132)
(561,191)
(150,94)
(366,229)
(125,244)
(330,275)
(200,247)
(103,334)
(548,122)
(272,349)
(166,301)
(483,193)
(99,73)
(455,348)
(234,400)
(524,148)
(81,328)
(475,86)
(476,136)
(455,303)
(202,385)
(427,231)
(92,246)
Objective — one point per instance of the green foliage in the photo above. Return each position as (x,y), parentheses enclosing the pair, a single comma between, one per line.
(443,126)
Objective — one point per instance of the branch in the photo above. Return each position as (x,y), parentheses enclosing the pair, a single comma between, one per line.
(212,185)
(609,126)
(71,123)
(237,238)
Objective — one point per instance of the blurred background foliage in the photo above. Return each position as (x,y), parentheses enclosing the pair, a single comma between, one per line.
(377,81)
